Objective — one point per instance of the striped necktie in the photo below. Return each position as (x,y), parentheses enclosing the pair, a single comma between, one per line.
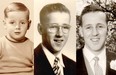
(98,70)
(56,67)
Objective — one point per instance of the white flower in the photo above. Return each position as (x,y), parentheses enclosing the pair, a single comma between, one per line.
(113,64)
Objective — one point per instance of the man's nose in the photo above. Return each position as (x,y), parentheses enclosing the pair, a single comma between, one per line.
(95,32)
(59,32)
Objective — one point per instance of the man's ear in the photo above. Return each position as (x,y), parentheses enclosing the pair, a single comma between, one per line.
(39,28)
(81,31)
(29,24)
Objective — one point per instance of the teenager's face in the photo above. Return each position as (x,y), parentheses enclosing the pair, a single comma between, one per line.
(55,31)
(94,30)
(16,25)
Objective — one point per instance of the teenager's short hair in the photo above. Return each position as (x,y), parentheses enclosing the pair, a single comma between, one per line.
(55,7)
(16,6)
(92,8)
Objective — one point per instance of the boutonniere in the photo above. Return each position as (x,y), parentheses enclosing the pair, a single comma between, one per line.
(113,64)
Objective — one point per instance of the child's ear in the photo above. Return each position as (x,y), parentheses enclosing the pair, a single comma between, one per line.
(39,28)
(29,24)
(4,23)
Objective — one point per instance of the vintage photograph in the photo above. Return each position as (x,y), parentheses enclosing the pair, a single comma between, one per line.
(96,37)
(16,37)
(55,37)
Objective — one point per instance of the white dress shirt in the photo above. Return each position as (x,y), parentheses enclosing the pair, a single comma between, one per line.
(51,58)
(102,59)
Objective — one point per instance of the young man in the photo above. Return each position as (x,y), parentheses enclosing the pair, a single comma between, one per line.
(94,58)
(54,27)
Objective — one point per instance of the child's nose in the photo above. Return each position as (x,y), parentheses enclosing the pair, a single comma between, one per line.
(18,26)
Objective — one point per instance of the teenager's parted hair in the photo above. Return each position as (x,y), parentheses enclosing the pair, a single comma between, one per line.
(16,6)
(92,8)
(49,8)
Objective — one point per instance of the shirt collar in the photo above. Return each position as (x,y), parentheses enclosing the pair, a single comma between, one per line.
(89,55)
(102,55)
(51,57)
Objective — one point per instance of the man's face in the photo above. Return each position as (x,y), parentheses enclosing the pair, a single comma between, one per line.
(55,31)
(94,30)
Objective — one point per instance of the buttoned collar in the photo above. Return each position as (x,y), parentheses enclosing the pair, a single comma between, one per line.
(51,57)
(89,55)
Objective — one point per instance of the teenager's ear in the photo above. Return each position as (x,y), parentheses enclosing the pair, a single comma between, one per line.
(29,24)
(81,31)
(39,28)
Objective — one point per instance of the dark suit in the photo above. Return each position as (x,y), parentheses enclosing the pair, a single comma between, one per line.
(43,67)
(81,68)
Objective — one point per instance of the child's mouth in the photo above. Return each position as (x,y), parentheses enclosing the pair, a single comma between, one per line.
(17,33)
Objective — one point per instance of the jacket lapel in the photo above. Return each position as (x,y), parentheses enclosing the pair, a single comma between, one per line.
(42,63)
(70,66)
(81,68)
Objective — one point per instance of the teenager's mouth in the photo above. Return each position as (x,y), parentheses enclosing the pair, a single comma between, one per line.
(58,41)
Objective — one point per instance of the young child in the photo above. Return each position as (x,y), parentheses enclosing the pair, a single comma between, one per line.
(16,51)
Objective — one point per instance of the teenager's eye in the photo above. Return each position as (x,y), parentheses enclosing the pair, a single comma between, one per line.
(66,27)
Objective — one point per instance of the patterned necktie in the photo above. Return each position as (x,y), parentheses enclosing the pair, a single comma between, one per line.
(56,67)
(97,68)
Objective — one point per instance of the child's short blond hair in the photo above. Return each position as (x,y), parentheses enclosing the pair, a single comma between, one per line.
(16,6)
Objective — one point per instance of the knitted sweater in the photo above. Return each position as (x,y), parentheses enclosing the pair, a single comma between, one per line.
(16,58)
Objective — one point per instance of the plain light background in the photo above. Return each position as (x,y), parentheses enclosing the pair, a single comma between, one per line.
(70,47)
(29,4)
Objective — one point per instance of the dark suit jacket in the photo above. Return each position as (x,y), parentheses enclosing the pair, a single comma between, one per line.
(43,67)
(81,68)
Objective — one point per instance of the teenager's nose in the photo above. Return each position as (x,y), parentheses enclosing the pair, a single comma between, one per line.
(59,32)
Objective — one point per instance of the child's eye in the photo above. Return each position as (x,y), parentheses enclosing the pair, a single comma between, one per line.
(22,22)
(11,22)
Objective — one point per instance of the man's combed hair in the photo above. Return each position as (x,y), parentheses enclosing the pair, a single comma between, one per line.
(55,7)
(16,6)
(91,8)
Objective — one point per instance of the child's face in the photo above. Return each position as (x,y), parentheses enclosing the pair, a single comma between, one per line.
(16,25)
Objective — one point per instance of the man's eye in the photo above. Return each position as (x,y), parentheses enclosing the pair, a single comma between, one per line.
(100,26)
(88,27)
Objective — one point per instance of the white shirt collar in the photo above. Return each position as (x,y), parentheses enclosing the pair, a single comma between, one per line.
(102,58)
(89,55)
(51,57)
